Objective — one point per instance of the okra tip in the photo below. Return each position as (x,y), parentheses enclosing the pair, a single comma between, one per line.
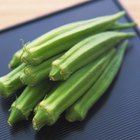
(130,35)
(125,43)
(15,116)
(131,24)
(124,46)
(120,14)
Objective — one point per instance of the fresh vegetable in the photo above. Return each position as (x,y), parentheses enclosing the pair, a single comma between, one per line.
(16,60)
(25,103)
(32,75)
(84,52)
(64,41)
(11,82)
(79,110)
(67,93)
(122,26)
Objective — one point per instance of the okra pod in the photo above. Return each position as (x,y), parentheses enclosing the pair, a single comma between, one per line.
(62,42)
(29,98)
(11,82)
(68,92)
(16,59)
(32,75)
(85,52)
(79,110)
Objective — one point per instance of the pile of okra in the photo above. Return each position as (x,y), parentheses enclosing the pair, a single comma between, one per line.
(67,70)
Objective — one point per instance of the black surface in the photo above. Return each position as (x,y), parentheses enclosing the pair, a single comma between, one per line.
(116,116)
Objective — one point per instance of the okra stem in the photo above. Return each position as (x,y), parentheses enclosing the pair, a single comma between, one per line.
(16,60)
(80,108)
(67,93)
(25,103)
(11,82)
(32,75)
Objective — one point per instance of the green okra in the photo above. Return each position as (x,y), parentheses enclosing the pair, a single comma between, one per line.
(64,41)
(16,60)
(85,52)
(11,82)
(32,75)
(29,98)
(79,110)
(68,92)
(122,26)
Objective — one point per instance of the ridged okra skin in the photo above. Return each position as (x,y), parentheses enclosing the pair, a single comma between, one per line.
(66,40)
(29,98)
(16,59)
(11,82)
(84,52)
(68,92)
(32,75)
(122,26)
(57,31)
(79,110)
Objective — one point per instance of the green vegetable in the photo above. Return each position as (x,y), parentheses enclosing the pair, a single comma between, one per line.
(32,75)
(25,103)
(16,61)
(11,82)
(122,26)
(85,52)
(80,108)
(68,92)
(64,41)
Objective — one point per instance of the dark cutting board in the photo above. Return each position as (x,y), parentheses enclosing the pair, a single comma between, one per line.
(116,116)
